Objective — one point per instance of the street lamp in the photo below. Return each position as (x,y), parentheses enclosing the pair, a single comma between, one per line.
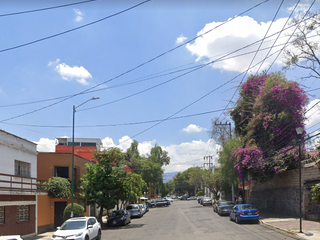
(72,186)
(299,132)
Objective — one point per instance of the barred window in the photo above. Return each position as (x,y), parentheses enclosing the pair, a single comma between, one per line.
(22,168)
(1,214)
(23,213)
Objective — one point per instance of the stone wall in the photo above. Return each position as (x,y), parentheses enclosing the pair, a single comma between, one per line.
(281,194)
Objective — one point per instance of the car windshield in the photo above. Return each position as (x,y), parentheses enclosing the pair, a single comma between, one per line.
(246,207)
(117,214)
(207,198)
(70,225)
(132,207)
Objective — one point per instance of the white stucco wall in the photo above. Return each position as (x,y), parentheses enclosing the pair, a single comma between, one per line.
(15,148)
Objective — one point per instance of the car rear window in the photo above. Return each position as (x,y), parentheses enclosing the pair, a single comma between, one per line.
(132,207)
(247,207)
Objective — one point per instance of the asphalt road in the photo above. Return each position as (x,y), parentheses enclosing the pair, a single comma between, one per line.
(187,220)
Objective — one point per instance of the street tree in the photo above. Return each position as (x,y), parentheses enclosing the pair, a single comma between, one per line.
(100,184)
(303,52)
(266,116)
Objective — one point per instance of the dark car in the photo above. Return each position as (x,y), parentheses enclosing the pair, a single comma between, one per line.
(244,212)
(183,198)
(119,218)
(215,205)
(224,208)
(158,203)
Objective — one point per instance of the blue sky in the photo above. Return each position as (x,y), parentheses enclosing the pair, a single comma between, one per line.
(132,62)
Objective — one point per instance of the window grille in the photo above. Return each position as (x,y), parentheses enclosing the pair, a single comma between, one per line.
(22,168)
(1,214)
(23,213)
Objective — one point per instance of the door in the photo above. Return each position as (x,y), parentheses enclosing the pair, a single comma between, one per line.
(58,213)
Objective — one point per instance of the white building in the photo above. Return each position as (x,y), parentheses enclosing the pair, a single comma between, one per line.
(18,185)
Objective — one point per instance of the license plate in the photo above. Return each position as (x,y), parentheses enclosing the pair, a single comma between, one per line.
(249,213)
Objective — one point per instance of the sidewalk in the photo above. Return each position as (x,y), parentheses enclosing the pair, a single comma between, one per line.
(310,229)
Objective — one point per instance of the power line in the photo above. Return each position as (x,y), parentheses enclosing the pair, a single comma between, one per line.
(124,73)
(43,9)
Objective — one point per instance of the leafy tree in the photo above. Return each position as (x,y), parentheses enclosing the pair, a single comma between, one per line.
(133,157)
(58,187)
(227,163)
(100,184)
(78,211)
(196,177)
(182,184)
(159,155)
(266,115)
(303,52)
(315,192)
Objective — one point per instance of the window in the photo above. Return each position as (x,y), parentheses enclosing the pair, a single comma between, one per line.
(75,143)
(62,172)
(1,214)
(23,213)
(22,168)
(88,144)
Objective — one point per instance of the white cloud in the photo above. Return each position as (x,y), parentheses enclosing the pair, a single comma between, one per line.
(313,115)
(107,143)
(192,128)
(69,73)
(181,39)
(45,145)
(190,154)
(79,15)
(234,35)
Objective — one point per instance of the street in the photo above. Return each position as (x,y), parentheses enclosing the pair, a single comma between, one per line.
(188,220)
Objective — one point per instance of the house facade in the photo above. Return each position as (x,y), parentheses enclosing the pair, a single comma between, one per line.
(51,164)
(18,185)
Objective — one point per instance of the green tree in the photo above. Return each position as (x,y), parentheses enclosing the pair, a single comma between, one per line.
(133,157)
(58,187)
(100,184)
(227,163)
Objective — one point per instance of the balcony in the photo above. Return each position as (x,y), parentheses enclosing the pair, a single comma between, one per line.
(14,184)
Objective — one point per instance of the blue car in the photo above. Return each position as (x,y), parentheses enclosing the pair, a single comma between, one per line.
(244,212)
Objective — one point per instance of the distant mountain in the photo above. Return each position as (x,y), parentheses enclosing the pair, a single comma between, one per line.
(168,176)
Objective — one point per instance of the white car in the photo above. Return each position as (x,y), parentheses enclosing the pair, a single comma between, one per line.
(80,228)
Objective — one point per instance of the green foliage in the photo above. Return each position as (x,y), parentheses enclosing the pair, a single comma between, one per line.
(58,187)
(227,163)
(78,211)
(200,193)
(315,192)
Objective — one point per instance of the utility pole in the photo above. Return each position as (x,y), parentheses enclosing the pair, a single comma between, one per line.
(230,136)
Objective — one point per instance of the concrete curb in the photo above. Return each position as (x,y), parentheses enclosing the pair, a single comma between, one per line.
(281,229)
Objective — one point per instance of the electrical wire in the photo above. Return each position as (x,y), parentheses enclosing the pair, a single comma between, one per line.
(47,8)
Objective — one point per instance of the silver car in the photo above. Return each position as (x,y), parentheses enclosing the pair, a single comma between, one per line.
(135,210)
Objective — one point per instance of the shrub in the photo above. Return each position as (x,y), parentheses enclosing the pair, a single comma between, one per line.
(78,211)
(58,187)
(200,193)
(315,192)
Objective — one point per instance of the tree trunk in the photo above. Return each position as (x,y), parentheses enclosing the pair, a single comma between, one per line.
(100,215)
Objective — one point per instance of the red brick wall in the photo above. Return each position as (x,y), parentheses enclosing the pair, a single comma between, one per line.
(12,227)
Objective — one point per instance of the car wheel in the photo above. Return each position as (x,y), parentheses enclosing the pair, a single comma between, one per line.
(230,218)
(99,235)
(237,221)
(86,238)
(166,205)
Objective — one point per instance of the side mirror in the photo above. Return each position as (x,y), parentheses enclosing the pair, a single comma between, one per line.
(90,226)
(58,228)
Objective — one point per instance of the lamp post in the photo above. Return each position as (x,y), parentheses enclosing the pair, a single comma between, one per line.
(72,186)
(299,132)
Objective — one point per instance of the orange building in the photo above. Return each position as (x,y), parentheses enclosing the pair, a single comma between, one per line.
(50,164)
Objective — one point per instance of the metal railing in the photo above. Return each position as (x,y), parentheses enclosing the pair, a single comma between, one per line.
(14,183)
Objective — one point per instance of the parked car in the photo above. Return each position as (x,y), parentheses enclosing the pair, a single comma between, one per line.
(244,212)
(143,208)
(166,200)
(158,203)
(119,217)
(169,199)
(191,198)
(11,237)
(224,208)
(134,210)
(79,228)
(206,201)
(215,205)
(200,198)
(183,198)
(146,206)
